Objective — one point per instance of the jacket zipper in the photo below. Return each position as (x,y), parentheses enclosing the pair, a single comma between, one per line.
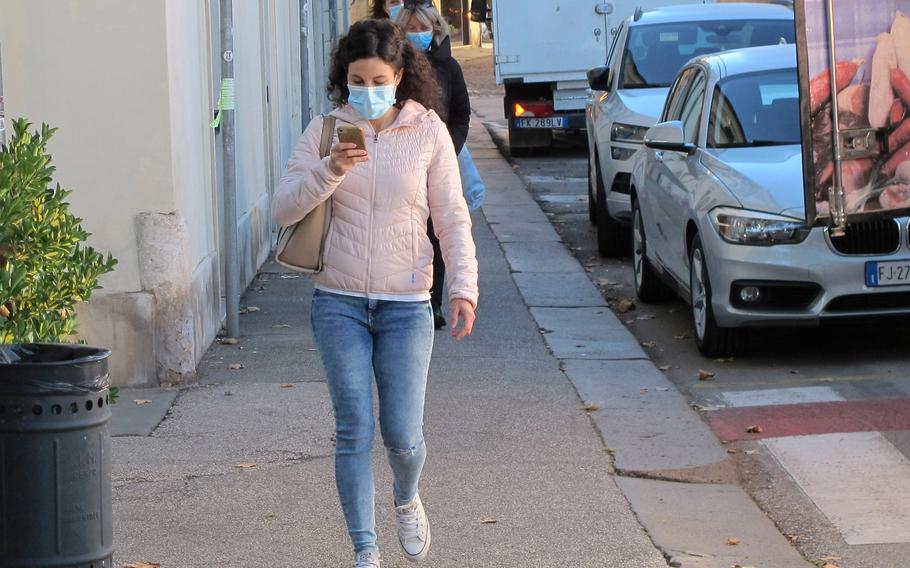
(375,160)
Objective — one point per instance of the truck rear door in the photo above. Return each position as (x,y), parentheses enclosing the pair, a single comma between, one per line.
(551,40)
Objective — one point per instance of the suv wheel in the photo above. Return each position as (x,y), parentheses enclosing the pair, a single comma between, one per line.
(711,339)
(648,285)
(612,238)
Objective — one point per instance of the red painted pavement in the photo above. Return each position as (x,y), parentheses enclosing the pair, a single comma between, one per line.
(811,418)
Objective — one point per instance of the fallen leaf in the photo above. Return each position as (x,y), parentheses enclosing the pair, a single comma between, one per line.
(245,465)
(830,558)
(751,452)
(606,282)
(591,407)
(141,401)
(623,305)
(732,541)
(630,322)
(664,368)
(271,516)
(142,565)
(829,565)
(229,341)
(248,309)
(705,375)
(287,386)
(281,326)
(235,366)
(487,521)
(649,344)
(755,430)
(731,450)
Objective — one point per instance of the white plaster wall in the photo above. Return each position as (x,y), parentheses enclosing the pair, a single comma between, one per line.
(97,69)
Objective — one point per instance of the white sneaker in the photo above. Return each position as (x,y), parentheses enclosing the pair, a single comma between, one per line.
(413,530)
(367,559)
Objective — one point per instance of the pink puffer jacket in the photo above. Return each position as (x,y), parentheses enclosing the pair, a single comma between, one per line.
(377,241)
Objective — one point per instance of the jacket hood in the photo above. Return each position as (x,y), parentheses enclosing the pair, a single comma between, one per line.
(412,114)
(442,51)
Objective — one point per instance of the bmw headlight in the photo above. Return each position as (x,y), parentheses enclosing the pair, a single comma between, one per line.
(627,133)
(743,227)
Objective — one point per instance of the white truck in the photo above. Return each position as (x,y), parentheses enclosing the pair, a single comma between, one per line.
(543,50)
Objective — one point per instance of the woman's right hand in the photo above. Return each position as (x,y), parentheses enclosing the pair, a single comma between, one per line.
(345,156)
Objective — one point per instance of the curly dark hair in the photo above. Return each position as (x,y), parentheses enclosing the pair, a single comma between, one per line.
(383,39)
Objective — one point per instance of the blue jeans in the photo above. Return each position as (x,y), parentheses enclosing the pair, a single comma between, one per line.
(358,338)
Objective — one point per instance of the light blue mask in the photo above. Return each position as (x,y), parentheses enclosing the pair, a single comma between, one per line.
(421,40)
(372,102)
(393,11)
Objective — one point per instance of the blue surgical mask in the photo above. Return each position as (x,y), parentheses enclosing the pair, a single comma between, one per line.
(393,11)
(372,102)
(421,40)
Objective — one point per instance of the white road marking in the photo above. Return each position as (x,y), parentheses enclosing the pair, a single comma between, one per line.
(860,481)
(776,397)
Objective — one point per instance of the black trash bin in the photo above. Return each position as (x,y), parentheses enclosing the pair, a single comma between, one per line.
(55,459)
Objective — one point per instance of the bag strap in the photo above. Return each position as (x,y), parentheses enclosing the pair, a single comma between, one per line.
(328,127)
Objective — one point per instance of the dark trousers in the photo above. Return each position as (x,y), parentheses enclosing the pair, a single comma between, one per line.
(439,269)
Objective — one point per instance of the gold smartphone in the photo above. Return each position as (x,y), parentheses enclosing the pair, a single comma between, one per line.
(352,135)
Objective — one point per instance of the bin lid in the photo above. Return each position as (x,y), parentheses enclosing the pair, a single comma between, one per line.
(53,369)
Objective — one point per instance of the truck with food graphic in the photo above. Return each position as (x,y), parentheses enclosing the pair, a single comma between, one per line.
(854,67)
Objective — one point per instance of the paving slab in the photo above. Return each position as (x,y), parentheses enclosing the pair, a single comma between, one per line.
(860,481)
(558,290)
(506,196)
(691,523)
(586,333)
(525,213)
(132,418)
(540,257)
(646,422)
(525,232)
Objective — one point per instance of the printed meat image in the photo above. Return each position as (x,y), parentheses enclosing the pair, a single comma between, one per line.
(873,100)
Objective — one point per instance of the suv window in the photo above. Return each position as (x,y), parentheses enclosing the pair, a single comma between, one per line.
(691,110)
(677,95)
(655,53)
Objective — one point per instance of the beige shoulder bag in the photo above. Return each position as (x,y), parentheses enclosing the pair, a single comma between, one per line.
(300,245)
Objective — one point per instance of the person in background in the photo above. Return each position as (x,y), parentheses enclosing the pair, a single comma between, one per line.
(382,9)
(428,31)
(371,313)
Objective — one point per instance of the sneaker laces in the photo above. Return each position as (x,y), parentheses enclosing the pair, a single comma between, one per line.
(367,559)
(408,522)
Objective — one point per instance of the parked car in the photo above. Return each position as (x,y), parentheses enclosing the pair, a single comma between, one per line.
(718,211)
(629,91)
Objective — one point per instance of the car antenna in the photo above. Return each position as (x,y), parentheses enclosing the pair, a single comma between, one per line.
(638,13)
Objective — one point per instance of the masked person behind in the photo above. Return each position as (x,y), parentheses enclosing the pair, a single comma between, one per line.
(382,9)
(371,312)
(429,32)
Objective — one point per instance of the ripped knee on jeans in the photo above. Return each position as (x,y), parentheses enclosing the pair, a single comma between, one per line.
(408,451)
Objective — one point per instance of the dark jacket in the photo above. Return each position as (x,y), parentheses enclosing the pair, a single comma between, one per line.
(454,91)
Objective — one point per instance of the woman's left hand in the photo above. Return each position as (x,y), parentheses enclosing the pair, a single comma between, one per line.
(463,317)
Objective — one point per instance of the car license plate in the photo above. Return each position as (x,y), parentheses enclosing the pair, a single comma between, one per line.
(892,273)
(549,122)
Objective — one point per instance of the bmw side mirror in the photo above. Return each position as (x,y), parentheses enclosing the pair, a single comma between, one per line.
(599,78)
(669,136)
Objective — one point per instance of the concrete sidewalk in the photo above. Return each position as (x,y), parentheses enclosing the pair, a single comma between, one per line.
(240,472)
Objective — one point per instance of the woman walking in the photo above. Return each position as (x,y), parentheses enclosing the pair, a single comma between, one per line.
(428,31)
(382,9)
(371,313)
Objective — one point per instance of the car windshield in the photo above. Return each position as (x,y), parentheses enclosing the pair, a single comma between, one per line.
(758,109)
(657,52)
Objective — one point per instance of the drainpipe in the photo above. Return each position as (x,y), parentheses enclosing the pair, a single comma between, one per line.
(231,264)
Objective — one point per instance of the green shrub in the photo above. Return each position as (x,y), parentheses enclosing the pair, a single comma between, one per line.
(45,269)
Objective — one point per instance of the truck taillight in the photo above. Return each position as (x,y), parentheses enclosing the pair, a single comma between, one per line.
(532,109)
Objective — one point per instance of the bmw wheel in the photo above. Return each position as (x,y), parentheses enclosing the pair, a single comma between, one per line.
(648,285)
(711,339)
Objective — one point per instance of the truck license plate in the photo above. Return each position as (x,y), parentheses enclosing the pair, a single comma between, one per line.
(893,273)
(549,122)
